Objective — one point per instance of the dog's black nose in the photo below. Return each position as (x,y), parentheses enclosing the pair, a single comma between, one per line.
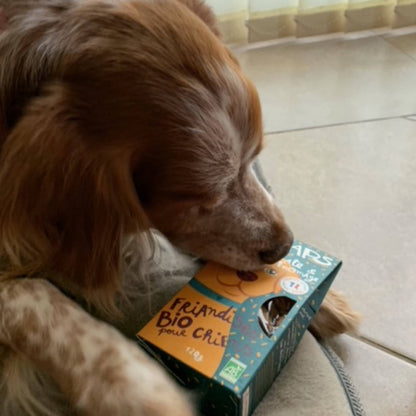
(275,254)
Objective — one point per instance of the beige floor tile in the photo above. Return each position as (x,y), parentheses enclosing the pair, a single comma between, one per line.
(351,190)
(305,85)
(405,43)
(386,385)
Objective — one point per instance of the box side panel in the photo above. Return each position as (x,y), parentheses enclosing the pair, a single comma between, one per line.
(279,356)
(221,401)
(288,342)
(320,293)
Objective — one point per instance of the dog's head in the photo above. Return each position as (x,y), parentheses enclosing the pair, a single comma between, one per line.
(195,181)
(148,121)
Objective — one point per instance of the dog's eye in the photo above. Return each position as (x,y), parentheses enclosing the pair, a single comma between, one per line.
(203,204)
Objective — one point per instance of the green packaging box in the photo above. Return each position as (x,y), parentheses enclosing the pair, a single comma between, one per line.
(227,334)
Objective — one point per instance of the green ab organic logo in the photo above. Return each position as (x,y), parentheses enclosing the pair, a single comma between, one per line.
(233,370)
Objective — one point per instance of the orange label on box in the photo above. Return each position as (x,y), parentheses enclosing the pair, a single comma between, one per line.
(193,329)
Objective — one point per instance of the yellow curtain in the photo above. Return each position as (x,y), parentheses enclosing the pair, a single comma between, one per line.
(261,20)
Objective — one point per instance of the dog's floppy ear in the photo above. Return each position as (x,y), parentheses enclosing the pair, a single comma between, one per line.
(204,12)
(65,201)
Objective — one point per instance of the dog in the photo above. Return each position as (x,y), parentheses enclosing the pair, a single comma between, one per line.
(118,117)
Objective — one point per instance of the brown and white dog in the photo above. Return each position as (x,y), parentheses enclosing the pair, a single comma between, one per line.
(117,116)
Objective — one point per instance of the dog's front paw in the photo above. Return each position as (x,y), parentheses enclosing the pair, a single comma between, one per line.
(128,383)
(334,317)
(156,396)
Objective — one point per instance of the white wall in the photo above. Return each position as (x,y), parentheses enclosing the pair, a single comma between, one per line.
(227,6)
(265,5)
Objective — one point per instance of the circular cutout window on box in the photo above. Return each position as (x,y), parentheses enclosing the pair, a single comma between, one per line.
(273,312)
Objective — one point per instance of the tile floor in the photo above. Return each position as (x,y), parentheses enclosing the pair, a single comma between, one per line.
(340,123)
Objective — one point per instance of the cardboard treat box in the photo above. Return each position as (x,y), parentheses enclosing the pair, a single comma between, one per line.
(227,334)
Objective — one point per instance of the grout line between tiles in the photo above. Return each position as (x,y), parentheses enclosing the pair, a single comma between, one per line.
(346,123)
(399,49)
(385,349)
